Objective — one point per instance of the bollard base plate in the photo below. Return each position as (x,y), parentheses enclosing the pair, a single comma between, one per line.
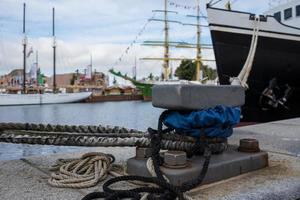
(223,166)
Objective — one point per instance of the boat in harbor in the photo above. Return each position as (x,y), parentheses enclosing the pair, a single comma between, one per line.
(144,87)
(47,98)
(40,97)
(274,84)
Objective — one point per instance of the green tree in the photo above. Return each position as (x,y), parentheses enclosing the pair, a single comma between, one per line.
(186,70)
(208,72)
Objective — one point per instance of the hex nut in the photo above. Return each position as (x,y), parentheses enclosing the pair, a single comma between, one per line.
(249,145)
(142,153)
(175,158)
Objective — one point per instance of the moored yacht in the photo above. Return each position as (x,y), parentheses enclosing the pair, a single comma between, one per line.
(40,98)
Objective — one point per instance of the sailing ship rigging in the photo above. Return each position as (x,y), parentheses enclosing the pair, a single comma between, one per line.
(41,98)
(167,43)
(145,87)
(54,51)
(24,49)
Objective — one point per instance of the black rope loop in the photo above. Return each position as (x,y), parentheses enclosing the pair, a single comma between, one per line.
(164,190)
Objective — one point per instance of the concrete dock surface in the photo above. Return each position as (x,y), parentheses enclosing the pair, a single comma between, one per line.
(27,178)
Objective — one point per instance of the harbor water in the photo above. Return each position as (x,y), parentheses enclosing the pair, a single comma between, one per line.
(131,114)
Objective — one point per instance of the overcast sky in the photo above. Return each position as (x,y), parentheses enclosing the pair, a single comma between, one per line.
(101,28)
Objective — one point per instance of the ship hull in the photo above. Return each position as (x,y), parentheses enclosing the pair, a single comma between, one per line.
(39,99)
(277,56)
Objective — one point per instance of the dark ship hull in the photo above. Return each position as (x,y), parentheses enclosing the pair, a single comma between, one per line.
(276,63)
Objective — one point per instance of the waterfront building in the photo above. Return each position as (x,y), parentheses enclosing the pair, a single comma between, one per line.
(12,79)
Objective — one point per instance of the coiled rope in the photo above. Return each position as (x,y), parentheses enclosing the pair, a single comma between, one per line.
(85,172)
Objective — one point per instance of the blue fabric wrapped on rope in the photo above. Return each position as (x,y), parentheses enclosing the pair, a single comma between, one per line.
(213,122)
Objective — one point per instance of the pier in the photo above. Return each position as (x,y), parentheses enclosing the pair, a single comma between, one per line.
(224,118)
(27,178)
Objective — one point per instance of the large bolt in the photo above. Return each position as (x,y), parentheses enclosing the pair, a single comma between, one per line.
(249,145)
(175,159)
(141,152)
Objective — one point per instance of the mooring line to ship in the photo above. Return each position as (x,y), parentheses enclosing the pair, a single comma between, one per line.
(242,78)
(67,139)
(90,136)
(66,128)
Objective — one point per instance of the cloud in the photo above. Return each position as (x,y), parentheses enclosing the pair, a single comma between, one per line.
(101,28)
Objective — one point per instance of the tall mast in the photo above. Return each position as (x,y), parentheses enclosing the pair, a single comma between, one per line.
(198,58)
(166,43)
(198,45)
(54,50)
(134,69)
(91,66)
(37,59)
(166,56)
(37,67)
(24,49)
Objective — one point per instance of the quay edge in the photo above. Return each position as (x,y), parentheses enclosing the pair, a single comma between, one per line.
(27,178)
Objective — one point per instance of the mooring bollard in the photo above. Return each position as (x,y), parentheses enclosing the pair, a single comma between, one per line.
(225,162)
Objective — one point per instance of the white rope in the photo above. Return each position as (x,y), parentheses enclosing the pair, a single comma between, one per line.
(246,64)
(251,59)
(242,78)
(85,172)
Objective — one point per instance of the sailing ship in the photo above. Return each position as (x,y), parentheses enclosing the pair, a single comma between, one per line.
(41,98)
(146,86)
(274,83)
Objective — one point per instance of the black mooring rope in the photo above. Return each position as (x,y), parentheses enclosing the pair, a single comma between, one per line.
(164,190)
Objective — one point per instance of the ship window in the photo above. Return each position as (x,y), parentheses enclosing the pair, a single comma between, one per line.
(298,10)
(288,13)
(278,16)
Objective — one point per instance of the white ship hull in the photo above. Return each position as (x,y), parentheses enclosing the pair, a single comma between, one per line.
(38,99)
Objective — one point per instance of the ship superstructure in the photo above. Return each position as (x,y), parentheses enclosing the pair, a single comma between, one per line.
(286,13)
